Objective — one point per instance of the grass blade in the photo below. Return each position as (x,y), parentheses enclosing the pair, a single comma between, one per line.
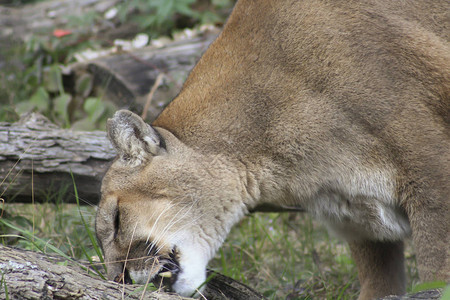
(89,232)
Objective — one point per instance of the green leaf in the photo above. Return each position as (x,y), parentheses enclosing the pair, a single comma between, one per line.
(39,101)
(183,7)
(24,107)
(94,108)
(83,85)
(38,242)
(61,105)
(3,283)
(209,17)
(53,79)
(221,3)
(145,21)
(110,109)
(164,10)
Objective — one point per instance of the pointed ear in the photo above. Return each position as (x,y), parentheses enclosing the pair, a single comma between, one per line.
(134,140)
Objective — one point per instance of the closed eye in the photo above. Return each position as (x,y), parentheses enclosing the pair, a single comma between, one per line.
(116,223)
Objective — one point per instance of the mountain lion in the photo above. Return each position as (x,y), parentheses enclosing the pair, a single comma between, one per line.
(341,108)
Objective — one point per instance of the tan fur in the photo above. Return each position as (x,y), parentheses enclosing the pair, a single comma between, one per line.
(339,107)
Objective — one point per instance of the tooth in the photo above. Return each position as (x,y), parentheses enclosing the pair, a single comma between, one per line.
(166,274)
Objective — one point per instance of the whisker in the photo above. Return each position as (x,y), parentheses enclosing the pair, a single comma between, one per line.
(148,237)
(177,232)
(156,221)
(170,205)
(171,224)
(124,260)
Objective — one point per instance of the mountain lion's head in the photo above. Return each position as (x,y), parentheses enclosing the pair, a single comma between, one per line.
(158,211)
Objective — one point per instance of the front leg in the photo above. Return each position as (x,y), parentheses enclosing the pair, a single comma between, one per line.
(431,237)
(381,269)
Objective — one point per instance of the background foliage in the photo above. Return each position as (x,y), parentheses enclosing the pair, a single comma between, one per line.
(32,75)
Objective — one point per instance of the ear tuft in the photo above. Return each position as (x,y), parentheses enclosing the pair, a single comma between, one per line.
(134,140)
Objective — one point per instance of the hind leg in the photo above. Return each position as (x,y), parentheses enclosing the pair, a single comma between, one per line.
(380,266)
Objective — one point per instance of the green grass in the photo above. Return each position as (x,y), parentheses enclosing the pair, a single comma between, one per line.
(280,255)
(4,287)
(288,254)
(293,255)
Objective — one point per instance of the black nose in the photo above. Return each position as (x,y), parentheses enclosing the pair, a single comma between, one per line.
(123,278)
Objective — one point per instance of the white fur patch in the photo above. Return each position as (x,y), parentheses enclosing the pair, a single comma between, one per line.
(361,206)
(192,274)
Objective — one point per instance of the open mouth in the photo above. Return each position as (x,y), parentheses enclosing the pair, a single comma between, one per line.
(164,278)
(167,275)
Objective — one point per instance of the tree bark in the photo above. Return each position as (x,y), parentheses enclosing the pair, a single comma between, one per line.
(31,275)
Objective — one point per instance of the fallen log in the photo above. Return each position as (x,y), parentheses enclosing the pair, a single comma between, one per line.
(38,159)
(31,275)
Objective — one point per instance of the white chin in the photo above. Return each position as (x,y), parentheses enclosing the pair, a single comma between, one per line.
(188,283)
(192,269)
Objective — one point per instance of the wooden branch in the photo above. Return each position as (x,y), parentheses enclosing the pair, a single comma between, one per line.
(32,275)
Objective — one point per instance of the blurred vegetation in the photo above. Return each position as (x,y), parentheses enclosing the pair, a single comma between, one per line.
(18,2)
(35,83)
(163,17)
(32,76)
